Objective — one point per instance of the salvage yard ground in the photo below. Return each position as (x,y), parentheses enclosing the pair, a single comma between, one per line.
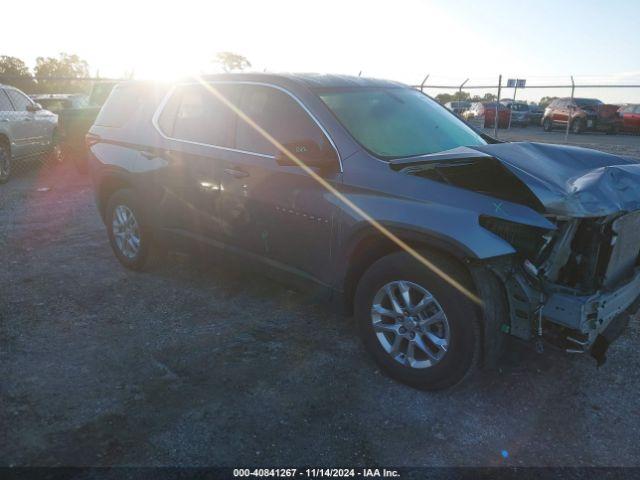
(197,364)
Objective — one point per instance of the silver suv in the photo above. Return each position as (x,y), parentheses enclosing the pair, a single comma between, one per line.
(26,130)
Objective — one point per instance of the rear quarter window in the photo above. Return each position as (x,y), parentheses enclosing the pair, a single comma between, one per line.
(121,105)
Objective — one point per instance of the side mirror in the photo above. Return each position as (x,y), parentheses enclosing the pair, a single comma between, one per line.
(309,153)
(34,107)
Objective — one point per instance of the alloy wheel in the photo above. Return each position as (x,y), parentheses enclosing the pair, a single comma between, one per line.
(410,324)
(126,231)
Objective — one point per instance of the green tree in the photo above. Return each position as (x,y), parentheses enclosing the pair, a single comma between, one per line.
(545,101)
(62,74)
(489,97)
(443,98)
(13,71)
(231,62)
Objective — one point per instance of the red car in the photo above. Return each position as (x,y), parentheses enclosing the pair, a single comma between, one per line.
(487,111)
(630,118)
(582,114)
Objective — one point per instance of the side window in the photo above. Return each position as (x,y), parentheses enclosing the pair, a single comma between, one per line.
(201,116)
(637,110)
(279,115)
(120,106)
(5,104)
(19,100)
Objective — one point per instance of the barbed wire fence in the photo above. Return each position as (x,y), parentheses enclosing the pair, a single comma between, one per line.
(570,89)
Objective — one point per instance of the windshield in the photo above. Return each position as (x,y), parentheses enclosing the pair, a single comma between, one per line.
(398,122)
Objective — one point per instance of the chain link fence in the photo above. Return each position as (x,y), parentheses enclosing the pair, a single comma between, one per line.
(541,90)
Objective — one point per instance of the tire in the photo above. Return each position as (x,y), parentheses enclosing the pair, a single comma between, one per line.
(5,162)
(459,332)
(577,126)
(124,239)
(55,155)
(547,124)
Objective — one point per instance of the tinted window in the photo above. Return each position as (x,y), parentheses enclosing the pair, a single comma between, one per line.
(279,115)
(637,110)
(398,122)
(120,106)
(19,100)
(5,104)
(202,117)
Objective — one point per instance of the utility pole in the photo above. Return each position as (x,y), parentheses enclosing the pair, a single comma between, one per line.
(573,88)
(495,121)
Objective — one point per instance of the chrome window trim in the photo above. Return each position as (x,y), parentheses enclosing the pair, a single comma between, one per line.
(165,100)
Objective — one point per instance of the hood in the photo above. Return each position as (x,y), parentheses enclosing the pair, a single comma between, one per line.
(563,180)
(572,181)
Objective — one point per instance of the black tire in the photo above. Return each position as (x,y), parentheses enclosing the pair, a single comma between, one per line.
(147,248)
(55,155)
(5,162)
(547,124)
(577,126)
(463,351)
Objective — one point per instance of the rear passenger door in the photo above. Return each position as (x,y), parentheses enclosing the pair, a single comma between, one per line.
(198,128)
(278,212)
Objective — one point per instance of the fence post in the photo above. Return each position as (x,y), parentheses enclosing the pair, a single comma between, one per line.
(460,89)
(423,82)
(495,120)
(566,133)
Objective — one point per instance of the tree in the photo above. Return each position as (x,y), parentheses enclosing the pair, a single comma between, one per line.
(57,75)
(443,98)
(13,71)
(489,97)
(230,61)
(545,101)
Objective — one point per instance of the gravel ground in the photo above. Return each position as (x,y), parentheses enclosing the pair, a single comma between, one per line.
(195,364)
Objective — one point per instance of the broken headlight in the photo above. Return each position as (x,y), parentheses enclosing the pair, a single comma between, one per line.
(527,240)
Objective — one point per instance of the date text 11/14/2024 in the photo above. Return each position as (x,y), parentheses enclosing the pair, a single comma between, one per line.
(315,473)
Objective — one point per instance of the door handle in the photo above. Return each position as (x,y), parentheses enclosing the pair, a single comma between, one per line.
(236,173)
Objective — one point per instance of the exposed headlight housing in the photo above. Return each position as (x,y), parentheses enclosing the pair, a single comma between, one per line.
(527,240)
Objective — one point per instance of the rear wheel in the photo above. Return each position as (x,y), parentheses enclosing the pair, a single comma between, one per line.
(130,235)
(418,328)
(5,162)
(55,155)
(547,124)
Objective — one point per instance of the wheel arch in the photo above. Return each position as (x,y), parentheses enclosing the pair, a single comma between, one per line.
(107,186)
(369,245)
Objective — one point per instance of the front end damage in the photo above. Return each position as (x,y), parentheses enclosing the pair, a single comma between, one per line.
(569,285)
(573,290)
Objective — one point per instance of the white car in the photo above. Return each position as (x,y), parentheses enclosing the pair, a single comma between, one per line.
(26,130)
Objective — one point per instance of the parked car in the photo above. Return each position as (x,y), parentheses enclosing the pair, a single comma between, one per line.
(485,112)
(75,121)
(26,130)
(458,107)
(439,240)
(630,118)
(519,112)
(536,112)
(582,114)
(56,102)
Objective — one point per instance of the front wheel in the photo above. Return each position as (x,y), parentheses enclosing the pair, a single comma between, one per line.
(420,329)
(547,124)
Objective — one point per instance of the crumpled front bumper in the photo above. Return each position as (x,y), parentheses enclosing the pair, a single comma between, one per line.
(591,314)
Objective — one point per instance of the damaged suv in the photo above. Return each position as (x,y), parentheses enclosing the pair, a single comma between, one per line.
(441,241)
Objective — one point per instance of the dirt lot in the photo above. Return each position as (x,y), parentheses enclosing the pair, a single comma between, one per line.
(192,364)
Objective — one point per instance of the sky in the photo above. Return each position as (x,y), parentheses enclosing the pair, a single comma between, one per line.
(543,41)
